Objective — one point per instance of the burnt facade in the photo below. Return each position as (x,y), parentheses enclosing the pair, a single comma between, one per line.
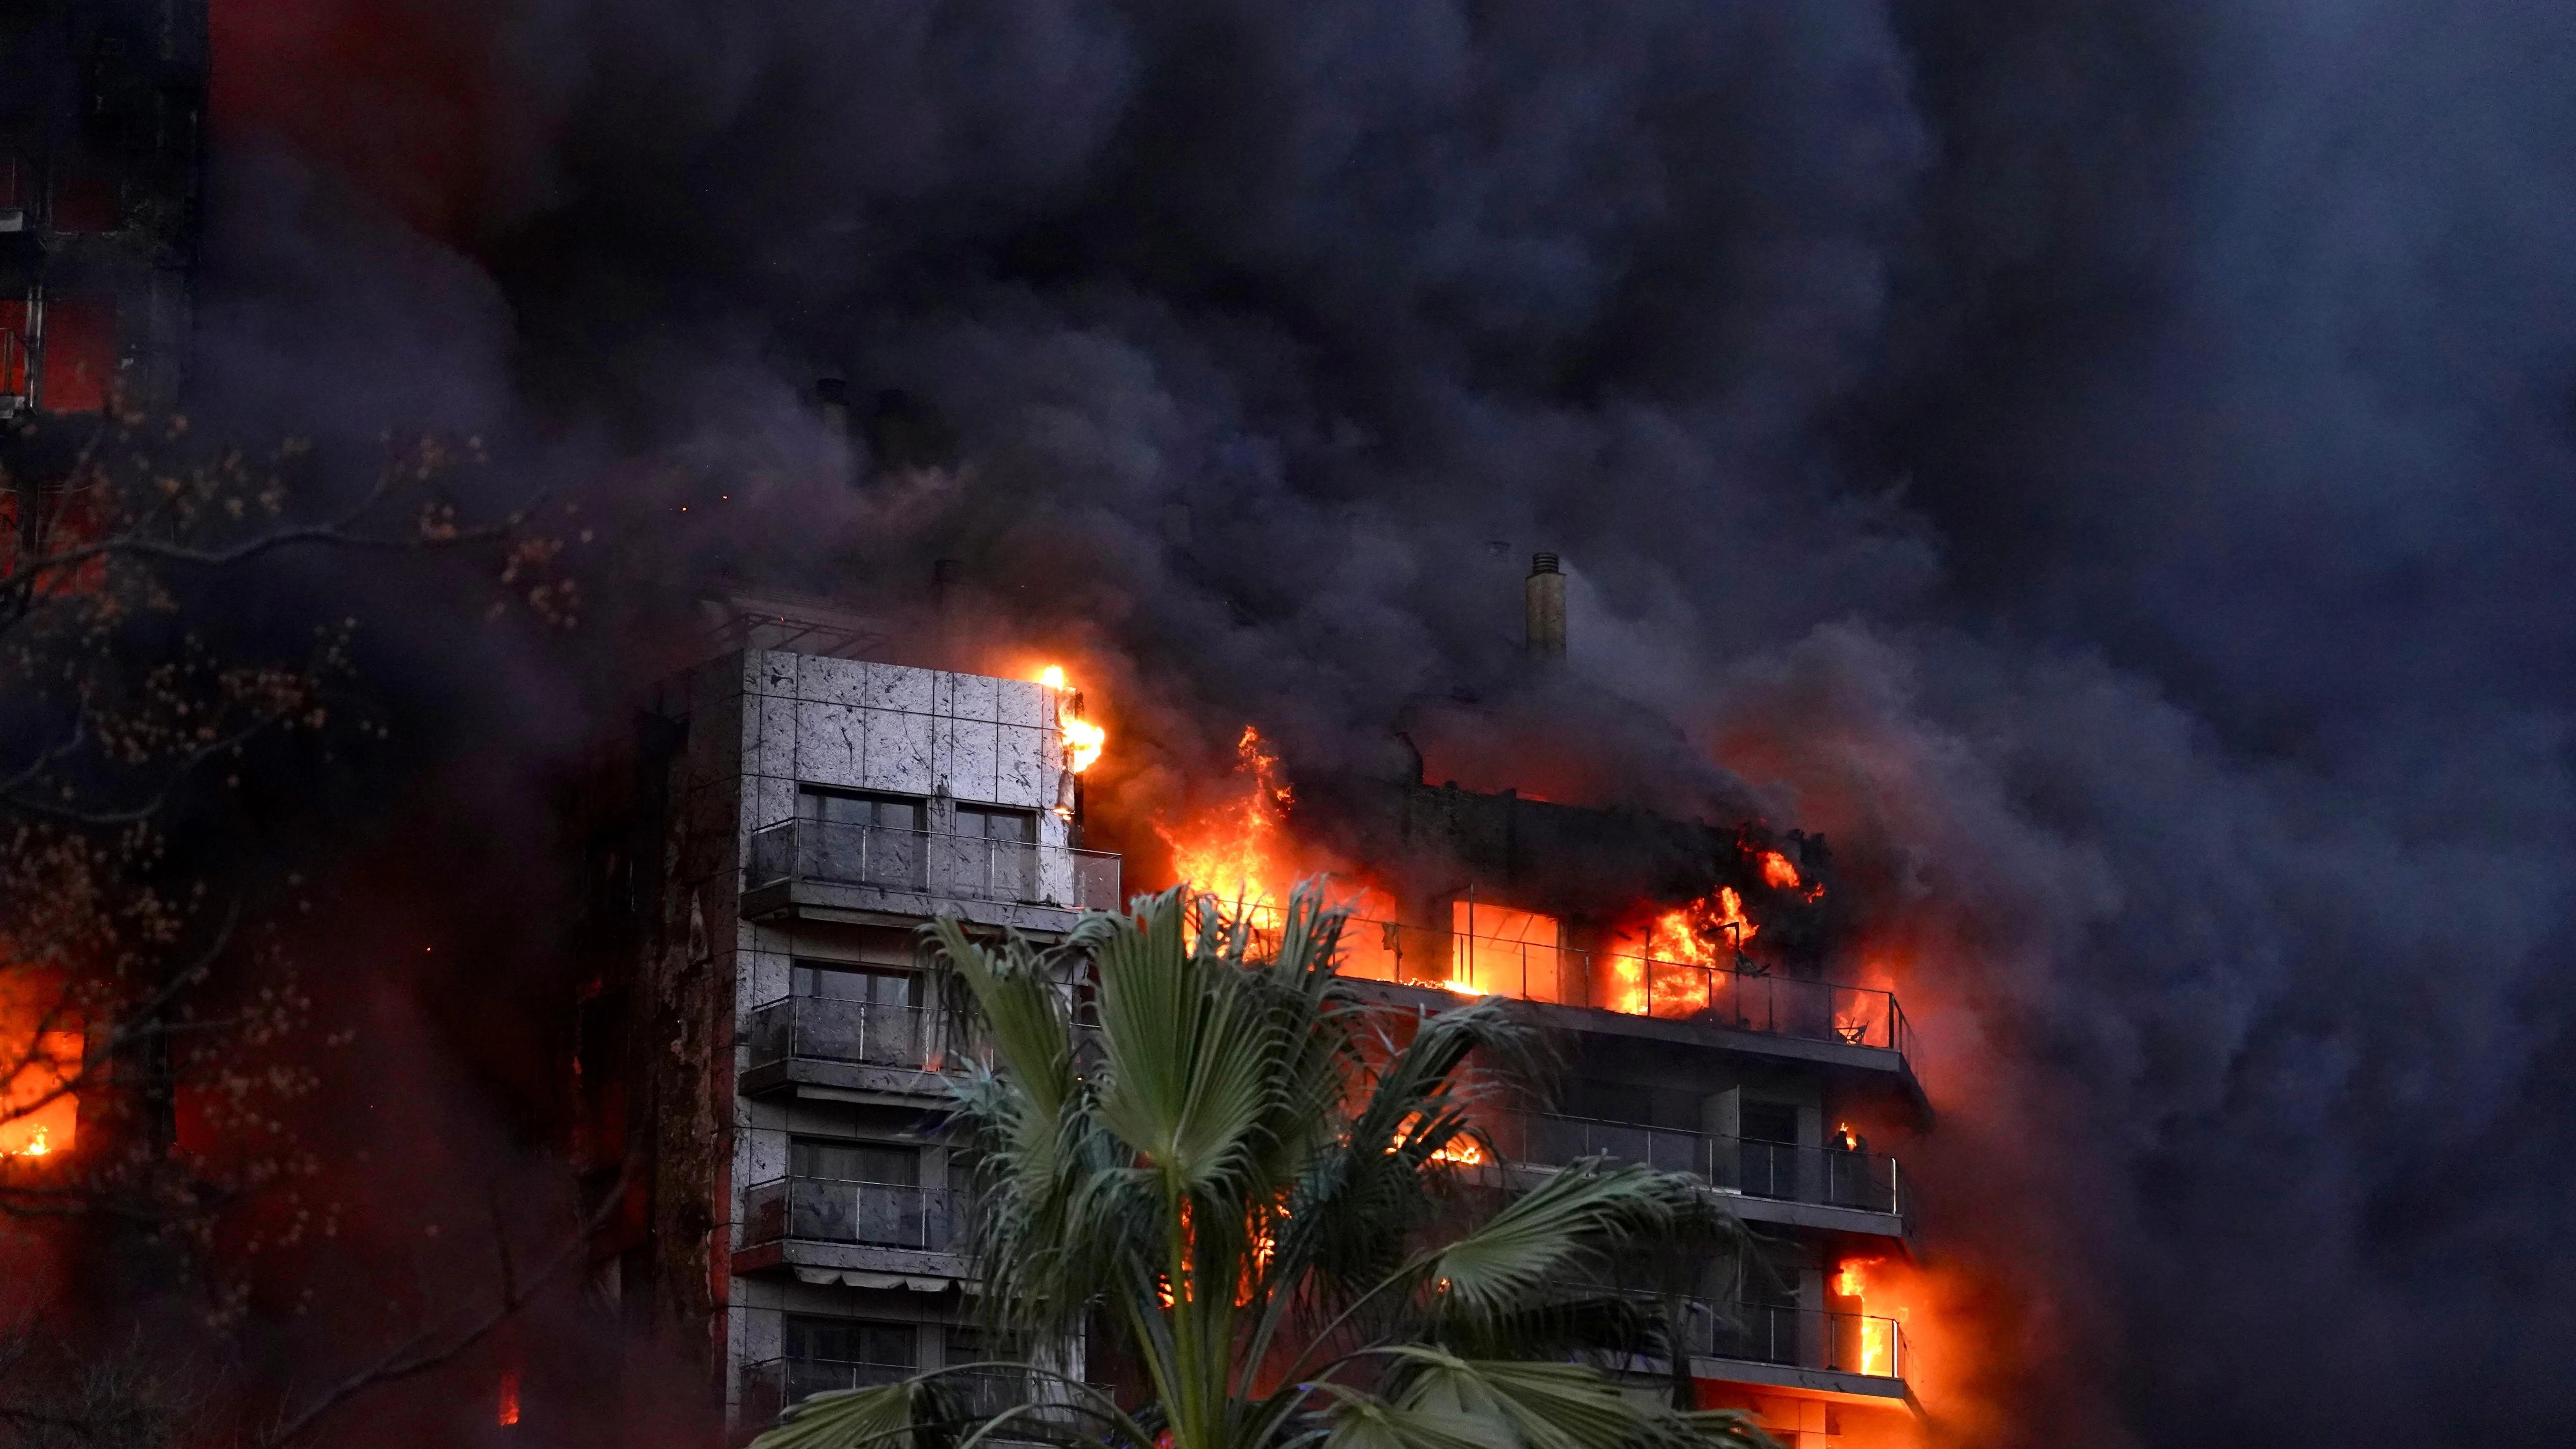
(102,135)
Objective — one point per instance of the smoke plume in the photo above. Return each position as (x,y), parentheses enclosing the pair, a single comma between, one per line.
(2105,463)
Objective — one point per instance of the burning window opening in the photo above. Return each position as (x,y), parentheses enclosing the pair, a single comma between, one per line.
(1871,1342)
(39,1111)
(508,1413)
(1232,852)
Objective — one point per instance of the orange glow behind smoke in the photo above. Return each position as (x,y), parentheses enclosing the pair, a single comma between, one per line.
(1234,852)
(509,1413)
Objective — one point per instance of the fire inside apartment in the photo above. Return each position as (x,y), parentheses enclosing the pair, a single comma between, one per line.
(782,1058)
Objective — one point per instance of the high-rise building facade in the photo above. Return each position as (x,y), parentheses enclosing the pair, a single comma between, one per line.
(779,1057)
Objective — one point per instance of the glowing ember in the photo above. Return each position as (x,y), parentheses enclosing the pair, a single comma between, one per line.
(1232,852)
(509,1413)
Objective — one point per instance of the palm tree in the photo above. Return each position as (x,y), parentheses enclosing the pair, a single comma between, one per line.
(1230,1162)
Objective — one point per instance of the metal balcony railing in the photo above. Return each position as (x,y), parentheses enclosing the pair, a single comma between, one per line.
(944,867)
(772,1384)
(1828,1176)
(827,1028)
(1736,994)
(1807,1338)
(873,1214)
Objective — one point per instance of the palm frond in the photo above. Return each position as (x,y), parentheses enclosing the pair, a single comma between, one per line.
(1558,1228)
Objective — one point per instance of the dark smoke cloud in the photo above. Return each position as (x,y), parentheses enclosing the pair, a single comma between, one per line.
(2106,463)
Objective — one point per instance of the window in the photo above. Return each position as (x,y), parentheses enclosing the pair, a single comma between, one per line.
(845,1353)
(850,1340)
(878,1162)
(993,822)
(1770,1151)
(1499,951)
(860,839)
(869,985)
(851,807)
(997,853)
(1771,1122)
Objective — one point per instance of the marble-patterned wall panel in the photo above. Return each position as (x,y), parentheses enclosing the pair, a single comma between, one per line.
(1024,702)
(775,754)
(830,745)
(764,1155)
(832,681)
(1026,776)
(971,696)
(900,756)
(770,671)
(893,686)
(767,800)
(970,758)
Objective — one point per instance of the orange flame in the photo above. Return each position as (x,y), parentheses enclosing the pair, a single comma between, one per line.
(1462,1153)
(1083,740)
(1873,1336)
(509,1413)
(1232,851)
(1777,872)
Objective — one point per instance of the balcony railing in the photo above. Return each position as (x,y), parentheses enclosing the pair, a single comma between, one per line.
(975,1393)
(1737,994)
(1807,1338)
(1828,1176)
(944,867)
(872,1214)
(827,1028)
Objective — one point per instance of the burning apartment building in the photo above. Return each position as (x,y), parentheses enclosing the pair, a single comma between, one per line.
(779,1056)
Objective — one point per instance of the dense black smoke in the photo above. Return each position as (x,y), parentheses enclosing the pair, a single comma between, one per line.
(2107,462)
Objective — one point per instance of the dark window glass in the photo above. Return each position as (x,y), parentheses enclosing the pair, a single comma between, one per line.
(883,1162)
(845,1340)
(850,807)
(1770,1122)
(988,822)
(845,983)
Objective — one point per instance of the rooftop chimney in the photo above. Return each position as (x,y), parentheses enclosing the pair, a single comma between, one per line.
(1546,608)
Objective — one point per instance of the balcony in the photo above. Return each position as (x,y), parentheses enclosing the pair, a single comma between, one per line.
(1849,1353)
(1737,996)
(815,867)
(855,1033)
(773,1384)
(1819,1187)
(862,1228)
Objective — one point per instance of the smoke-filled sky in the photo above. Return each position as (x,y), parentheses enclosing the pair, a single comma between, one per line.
(2107,463)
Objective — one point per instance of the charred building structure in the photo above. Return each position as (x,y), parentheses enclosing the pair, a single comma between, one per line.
(102,134)
(778,1054)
